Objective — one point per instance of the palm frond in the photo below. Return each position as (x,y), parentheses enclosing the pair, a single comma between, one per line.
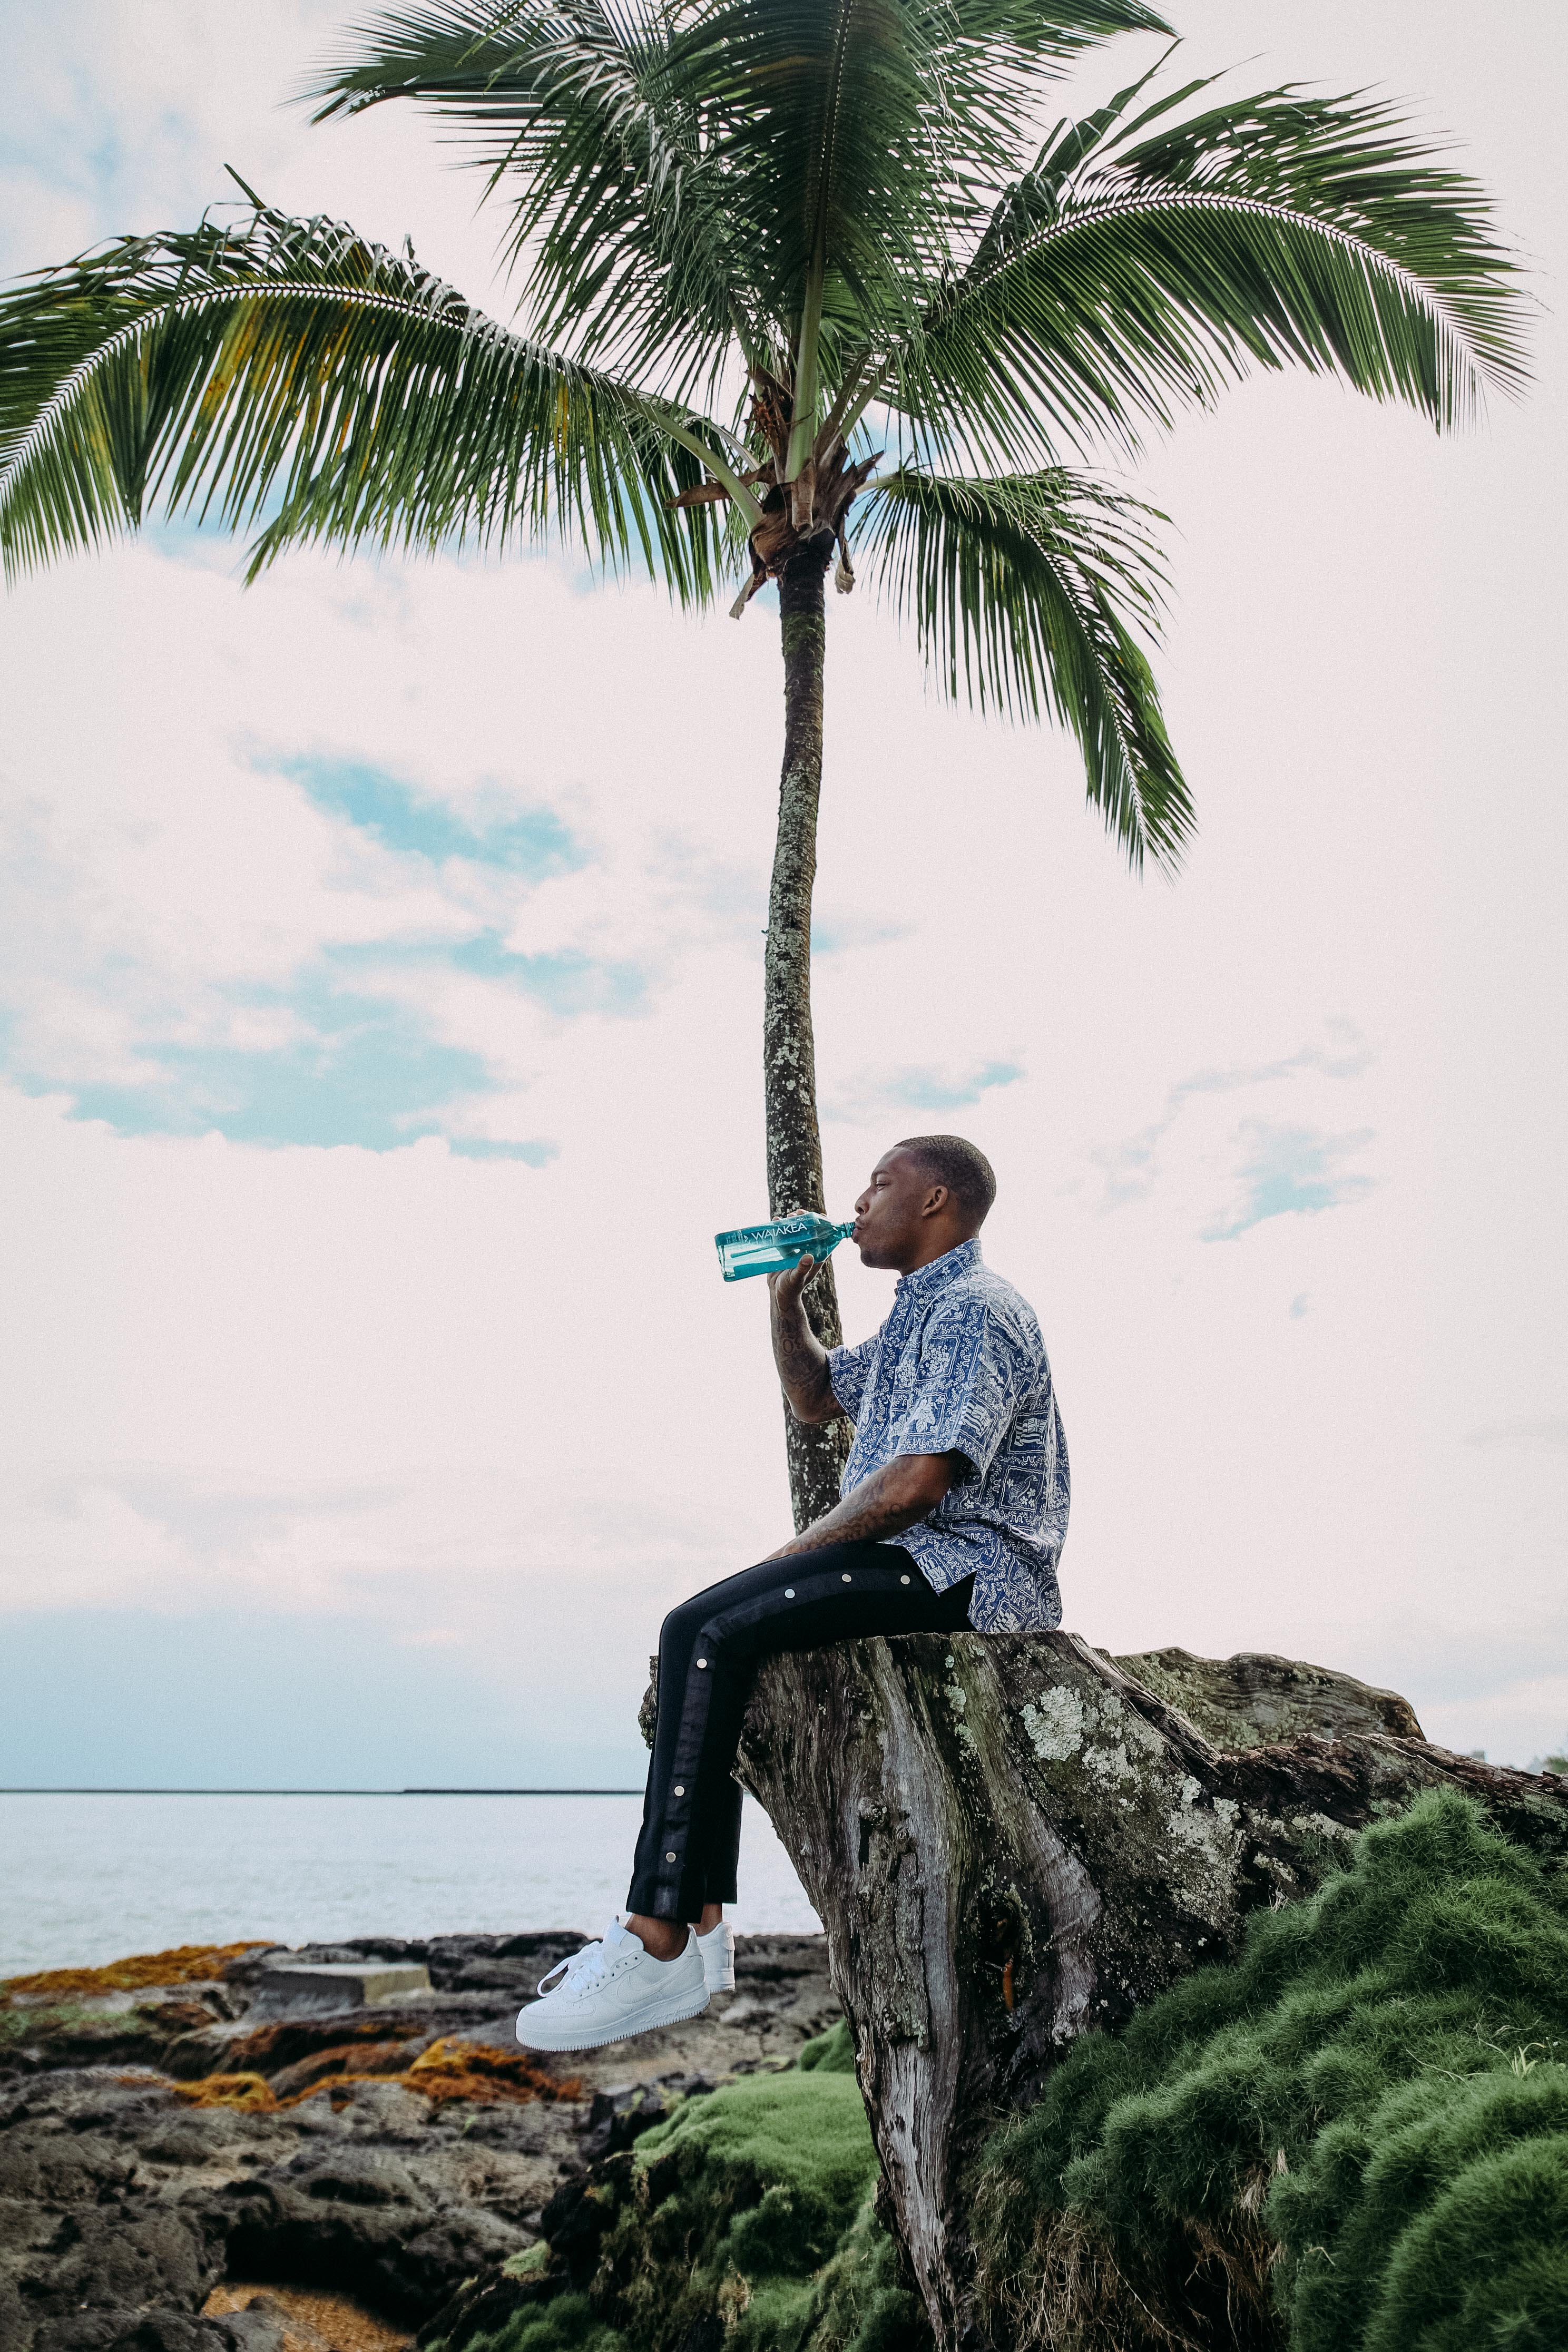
(290,372)
(684,175)
(1044,33)
(588,121)
(1124,277)
(989,60)
(1029,594)
(821,117)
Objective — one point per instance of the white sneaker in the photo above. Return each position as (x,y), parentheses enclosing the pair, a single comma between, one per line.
(611,1990)
(718,1950)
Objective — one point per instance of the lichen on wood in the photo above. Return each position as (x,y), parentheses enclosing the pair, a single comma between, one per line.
(815,1455)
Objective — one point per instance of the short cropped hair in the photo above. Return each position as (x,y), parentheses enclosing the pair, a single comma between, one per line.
(961,1167)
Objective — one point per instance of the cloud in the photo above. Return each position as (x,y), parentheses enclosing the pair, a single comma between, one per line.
(1289,1171)
(839,934)
(165,1535)
(483,1147)
(569,981)
(1132,1166)
(353,1070)
(343,957)
(1500,1688)
(311,1313)
(1548,1436)
(875,1093)
(235,1695)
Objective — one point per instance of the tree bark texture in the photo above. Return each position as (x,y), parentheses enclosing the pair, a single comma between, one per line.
(1009,1838)
(817,1457)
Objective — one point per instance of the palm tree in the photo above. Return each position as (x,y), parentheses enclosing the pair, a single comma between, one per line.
(794,273)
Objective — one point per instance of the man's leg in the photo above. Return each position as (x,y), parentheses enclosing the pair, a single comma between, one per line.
(710,1649)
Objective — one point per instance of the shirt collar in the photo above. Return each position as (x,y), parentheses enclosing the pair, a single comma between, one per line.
(927,1280)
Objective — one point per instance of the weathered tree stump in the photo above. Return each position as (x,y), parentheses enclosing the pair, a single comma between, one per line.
(1009,1838)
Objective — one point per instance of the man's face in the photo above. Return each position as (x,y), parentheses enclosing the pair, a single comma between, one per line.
(889,1226)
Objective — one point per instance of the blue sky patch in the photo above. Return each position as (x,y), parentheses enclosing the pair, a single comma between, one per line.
(369,1077)
(568,981)
(837,935)
(1290,1172)
(529,841)
(930,1089)
(917,1087)
(365,1072)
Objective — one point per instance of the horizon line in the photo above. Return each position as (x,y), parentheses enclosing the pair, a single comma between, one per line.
(126,1791)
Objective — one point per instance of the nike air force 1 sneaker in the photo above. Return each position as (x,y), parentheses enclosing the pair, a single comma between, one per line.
(611,1990)
(718,1950)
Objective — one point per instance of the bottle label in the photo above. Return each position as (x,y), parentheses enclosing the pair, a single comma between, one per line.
(787,1229)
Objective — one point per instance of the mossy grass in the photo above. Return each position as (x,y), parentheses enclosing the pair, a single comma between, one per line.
(746,2216)
(833,2052)
(77,2031)
(754,2188)
(1354,2140)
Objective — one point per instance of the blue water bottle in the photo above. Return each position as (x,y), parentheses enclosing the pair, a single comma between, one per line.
(770,1249)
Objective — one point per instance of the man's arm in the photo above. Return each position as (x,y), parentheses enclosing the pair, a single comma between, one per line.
(798,1353)
(898,1496)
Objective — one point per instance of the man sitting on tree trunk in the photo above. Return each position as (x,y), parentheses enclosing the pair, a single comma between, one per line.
(953,1508)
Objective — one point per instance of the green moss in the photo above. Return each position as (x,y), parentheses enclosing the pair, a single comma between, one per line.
(805,2129)
(532,2259)
(1355,2140)
(737,2203)
(567,2324)
(21,2029)
(1359,2132)
(832,2052)
(746,2218)
(863,2303)
(77,2032)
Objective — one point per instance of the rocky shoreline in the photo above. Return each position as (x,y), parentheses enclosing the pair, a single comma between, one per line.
(354,2117)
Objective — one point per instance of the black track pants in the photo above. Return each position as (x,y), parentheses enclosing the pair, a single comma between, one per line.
(709,1652)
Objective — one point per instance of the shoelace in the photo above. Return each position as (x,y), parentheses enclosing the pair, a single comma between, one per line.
(583,1969)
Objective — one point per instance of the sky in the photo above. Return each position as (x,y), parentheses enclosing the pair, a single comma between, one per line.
(380,997)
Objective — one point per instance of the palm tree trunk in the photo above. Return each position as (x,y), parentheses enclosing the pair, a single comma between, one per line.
(789,1049)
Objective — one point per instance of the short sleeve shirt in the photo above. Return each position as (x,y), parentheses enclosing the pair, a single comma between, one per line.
(959,1367)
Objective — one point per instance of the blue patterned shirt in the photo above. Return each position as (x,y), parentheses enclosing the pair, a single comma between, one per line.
(960,1366)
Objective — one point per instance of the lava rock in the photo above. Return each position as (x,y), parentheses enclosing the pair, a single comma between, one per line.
(125,2197)
(621,2116)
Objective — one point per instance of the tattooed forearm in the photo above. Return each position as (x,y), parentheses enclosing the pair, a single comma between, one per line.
(898,1496)
(799,1354)
(802,1362)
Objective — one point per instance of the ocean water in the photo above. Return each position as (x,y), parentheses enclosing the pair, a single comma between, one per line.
(90,1878)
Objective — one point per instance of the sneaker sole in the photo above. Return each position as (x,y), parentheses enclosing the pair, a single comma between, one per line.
(625,2030)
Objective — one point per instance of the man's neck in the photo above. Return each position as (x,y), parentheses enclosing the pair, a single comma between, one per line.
(936,1247)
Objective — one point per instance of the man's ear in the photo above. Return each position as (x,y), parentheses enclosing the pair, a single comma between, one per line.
(935,1201)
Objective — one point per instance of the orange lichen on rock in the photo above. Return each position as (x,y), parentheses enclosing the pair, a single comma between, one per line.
(270,2050)
(252,2093)
(454,2069)
(341,2058)
(451,2069)
(312,2318)
(186,1964)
